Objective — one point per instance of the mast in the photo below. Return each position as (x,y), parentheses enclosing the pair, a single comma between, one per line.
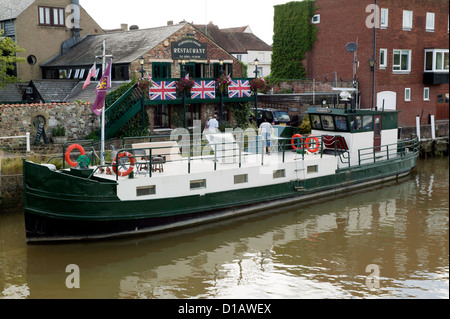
(102,145)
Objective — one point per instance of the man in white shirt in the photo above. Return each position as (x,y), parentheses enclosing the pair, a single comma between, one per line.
(213,125)
(266,130)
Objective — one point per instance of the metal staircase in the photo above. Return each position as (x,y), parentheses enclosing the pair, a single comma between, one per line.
(123,110)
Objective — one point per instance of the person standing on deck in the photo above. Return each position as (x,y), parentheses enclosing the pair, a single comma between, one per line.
(266,130)
(213,125)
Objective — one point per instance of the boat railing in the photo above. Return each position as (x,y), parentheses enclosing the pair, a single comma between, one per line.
(376,154)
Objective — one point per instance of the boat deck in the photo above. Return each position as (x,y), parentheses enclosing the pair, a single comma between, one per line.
(210,163)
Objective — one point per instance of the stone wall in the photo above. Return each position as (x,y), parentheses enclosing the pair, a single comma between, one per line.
(15,120)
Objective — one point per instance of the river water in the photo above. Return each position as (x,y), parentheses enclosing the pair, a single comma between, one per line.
(388,242)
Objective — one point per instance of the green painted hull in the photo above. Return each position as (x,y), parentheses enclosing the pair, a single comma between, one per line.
(62,206)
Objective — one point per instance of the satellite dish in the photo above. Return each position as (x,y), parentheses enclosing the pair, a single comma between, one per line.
(351,47)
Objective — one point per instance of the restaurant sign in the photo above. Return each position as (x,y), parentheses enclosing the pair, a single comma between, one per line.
(188,49)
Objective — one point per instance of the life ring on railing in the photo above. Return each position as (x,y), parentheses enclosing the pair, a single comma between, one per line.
(293,141)
(118,159)
(69,150)
(312,144)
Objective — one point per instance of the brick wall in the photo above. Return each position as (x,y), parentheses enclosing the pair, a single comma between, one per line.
(44,42)
(163,53)
(344,21)
(15,120)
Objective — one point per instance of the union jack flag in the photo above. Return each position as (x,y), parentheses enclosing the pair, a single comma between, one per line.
(163,90)
(204,90)
(239,88)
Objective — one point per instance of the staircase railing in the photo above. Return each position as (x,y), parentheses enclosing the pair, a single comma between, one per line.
(122,110)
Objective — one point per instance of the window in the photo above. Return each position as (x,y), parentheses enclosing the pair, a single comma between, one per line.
(161,116)
(384,18)
(408,94)
(312,169)
(146,190)
(193,113)
(341,123)
(316,19)
(198,184)
(383,58)
(327,122)
(430,22)
(426,94)
(161,70)
(407,20)
(315,122)
(279,173)
(436,60)
(51,16)
(402,60)
(241,179)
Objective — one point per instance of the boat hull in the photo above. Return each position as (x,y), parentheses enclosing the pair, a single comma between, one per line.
(62,207)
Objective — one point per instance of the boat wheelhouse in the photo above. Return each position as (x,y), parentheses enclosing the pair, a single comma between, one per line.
(184,180)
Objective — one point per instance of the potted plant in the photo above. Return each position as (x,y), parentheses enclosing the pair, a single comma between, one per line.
(258,84)
(144,84)
(184,86)
(222,83)
(59,135)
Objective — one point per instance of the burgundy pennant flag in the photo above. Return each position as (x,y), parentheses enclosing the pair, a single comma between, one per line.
(102,90)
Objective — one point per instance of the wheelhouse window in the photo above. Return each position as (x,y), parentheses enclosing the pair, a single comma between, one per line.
(49,16)
(315,122)
(402,61)
(327,122)
(341,123)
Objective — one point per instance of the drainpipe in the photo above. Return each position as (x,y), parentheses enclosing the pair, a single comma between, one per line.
(375,51)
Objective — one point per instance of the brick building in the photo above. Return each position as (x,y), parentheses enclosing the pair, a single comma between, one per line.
(39,27)
(408,42)
(160,49)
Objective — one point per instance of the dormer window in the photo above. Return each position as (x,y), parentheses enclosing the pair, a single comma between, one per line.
(49,16)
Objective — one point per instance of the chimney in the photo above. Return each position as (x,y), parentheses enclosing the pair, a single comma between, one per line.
(124,27)
(170,22)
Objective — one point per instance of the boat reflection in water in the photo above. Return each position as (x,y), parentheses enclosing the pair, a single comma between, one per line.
(319,249)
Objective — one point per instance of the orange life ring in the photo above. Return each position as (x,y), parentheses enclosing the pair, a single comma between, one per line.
(69,150)
(293,141)
(130,168)
(312,146)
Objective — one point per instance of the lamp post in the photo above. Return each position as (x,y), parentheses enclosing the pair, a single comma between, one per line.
(256,91)
(256,102)
(221,93)
(141,62)
(183,98)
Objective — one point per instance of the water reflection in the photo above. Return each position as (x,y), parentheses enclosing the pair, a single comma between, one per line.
(317,250)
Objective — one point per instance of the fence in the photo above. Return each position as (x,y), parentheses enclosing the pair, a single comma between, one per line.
(27,136)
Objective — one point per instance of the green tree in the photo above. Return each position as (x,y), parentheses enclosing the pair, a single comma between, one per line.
(8,59)
(294,35)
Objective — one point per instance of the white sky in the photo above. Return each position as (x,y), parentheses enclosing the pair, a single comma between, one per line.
(258,14)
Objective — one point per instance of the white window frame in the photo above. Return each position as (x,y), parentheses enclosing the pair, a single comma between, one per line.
(426,94)
(435,52)
(408,70)
(407,23)
(315,19)
(384,18)
(383,53)
(407,94)
(430,22)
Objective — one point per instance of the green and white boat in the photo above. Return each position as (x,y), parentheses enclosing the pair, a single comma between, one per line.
(161,186)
